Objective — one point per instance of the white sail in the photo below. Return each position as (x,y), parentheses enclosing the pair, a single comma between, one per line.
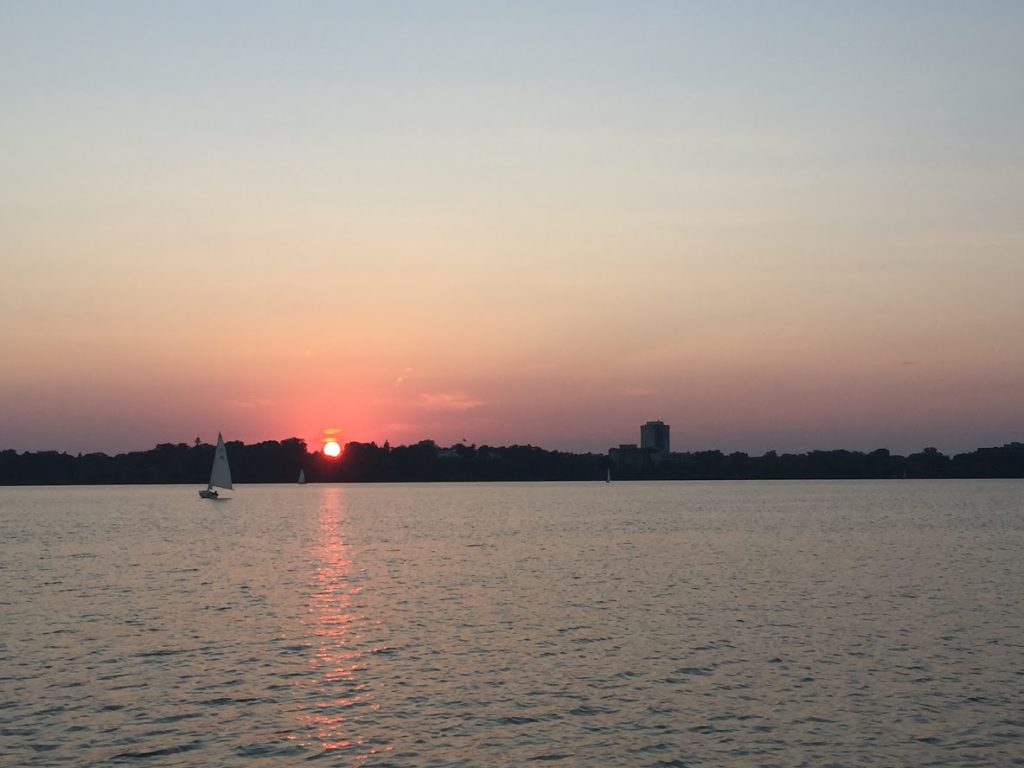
(220,475)
(302,475)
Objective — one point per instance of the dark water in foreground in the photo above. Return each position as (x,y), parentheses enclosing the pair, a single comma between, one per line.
(646,624)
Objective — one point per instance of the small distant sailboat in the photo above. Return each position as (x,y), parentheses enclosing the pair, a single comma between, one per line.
(220,474)
(608,477)
(302,477)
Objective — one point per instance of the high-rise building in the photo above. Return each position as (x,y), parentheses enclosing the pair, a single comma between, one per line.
(654,435)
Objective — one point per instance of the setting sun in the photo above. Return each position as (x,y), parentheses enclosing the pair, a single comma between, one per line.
(332,449)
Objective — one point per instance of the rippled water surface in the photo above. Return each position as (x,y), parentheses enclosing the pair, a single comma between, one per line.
(635,624)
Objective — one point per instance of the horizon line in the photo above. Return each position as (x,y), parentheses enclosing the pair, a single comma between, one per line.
(440,446)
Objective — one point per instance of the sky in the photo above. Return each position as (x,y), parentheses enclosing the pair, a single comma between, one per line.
(789,226)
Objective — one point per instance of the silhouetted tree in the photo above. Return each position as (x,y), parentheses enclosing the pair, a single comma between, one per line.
(425,461)
(928,463)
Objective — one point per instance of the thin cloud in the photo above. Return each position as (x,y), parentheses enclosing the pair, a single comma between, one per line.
(250,402)
(449,401)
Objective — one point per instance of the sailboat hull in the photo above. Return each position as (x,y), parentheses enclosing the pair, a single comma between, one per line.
(208,494)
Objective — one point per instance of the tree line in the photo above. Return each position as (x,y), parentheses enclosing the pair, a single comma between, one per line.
(276,461)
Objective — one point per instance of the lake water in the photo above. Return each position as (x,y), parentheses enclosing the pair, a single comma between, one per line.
(635,624)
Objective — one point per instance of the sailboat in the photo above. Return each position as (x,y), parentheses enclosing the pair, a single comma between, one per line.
(220,473)
(302,477)
(608,477)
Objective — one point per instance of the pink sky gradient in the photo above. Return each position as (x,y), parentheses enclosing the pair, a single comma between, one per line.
(792,232)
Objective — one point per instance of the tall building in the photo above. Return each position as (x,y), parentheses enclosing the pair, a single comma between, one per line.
(654,435)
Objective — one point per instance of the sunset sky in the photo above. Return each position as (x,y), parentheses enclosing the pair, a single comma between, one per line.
(790,225)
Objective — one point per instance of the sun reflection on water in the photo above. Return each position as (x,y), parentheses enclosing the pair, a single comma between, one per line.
(337,693)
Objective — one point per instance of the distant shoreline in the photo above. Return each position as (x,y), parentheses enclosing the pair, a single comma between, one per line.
(275,461)
(238,486)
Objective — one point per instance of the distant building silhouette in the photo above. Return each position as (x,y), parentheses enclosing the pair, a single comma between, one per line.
(632,460)
(627,456)
(655,435)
